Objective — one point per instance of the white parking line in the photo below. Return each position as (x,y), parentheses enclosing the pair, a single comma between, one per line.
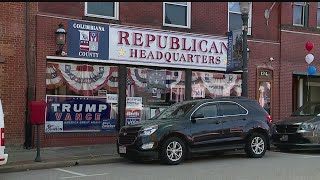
(70,172)
(78,174)
(309,156)
(84,176)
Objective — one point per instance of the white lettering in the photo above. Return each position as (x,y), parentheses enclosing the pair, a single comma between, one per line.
(66,107)
(79,109)
(90,108)
(102,107)
(55,107)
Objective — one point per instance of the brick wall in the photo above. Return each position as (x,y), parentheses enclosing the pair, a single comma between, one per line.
(13,70)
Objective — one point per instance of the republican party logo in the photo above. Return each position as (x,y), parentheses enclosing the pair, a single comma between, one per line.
(89,40)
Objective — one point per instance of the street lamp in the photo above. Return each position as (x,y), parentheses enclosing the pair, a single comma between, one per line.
(245,9)
(60,38)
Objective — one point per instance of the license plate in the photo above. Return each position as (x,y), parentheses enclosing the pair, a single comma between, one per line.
(284,138)
(122,150)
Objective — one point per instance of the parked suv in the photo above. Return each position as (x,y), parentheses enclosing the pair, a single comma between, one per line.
(198,126)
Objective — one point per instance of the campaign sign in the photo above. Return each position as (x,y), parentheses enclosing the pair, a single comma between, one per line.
(133,115)
(78,113)
(108,125)
(88,40)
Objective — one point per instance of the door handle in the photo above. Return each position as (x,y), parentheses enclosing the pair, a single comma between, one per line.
(244,119)
(217,122)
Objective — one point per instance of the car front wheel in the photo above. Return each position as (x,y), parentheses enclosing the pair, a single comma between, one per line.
(256,146)
(173,151)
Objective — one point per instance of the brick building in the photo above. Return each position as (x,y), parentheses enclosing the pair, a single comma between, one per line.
(156,53)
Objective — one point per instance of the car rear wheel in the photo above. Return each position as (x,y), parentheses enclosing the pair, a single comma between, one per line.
(173,151)
(256,146)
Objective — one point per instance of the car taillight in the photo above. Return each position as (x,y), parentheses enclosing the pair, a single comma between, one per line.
(2,136)
(269,119)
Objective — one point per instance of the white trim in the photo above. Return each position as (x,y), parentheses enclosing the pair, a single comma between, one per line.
(174,25)
(115,17)
(130,62)
(249,19)
(303,14)
(257,41)
(297,32)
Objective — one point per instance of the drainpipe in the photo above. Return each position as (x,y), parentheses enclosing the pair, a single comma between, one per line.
(29,73)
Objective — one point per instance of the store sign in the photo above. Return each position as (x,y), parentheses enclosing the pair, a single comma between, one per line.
(78,114)
(168,49)
(88,40)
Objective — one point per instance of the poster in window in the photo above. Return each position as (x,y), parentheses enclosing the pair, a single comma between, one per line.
(79,114)
(265,95)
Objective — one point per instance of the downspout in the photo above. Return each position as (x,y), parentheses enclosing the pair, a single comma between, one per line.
(280,55)
(29,95)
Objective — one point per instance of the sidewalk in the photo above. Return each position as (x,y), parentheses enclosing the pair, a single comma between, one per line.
(23,159)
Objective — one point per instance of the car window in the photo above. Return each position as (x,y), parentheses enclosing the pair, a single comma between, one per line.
(208,110)
(231,109)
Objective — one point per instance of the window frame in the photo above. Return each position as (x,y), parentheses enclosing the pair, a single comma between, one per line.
(115,17)
(318,8)
(218,116)
(304,5)
(232,115)
(175,25)
(208,104)
(249,19)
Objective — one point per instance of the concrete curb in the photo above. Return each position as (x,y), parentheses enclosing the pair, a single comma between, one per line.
(47,164)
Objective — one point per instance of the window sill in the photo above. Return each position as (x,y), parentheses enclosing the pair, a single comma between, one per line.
(176,26)
(103,20)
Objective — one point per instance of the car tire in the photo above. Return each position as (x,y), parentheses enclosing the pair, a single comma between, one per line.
(256,146)
(173,151)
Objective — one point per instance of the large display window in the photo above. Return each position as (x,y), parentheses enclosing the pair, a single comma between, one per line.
(211,84)
(81,97)
(149,91)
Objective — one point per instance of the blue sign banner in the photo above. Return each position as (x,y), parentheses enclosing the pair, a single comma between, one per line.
(88,40)
(78,114)
(234,55)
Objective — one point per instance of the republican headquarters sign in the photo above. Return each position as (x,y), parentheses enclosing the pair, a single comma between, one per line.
(137,46)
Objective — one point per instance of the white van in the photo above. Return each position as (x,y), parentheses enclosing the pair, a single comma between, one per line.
(3,156)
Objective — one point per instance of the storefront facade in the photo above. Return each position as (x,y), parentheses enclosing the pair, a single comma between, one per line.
(117,75)
(130,63)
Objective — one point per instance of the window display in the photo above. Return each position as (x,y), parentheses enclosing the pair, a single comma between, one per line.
(157,88)
(210,85)
(81,97)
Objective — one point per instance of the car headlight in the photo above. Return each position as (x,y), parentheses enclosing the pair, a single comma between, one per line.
(307,127)
(148,130)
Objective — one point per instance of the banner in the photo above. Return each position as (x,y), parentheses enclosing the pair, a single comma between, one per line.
(88,40)
(79,114)
(234,51)
(167,49)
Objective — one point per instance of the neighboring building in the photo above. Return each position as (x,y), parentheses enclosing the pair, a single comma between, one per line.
(125,61)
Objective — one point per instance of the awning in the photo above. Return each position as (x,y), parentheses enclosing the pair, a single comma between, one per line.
(305,74)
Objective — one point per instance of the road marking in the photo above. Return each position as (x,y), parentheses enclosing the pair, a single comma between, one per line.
(309,156)
(84,176)
(70,172)
(78,174)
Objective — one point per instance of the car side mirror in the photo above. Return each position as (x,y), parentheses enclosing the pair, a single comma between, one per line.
(197,116)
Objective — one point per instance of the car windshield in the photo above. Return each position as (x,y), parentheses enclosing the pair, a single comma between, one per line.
(310,109)
(176,111)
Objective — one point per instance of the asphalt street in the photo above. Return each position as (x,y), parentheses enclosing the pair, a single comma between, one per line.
(235,166)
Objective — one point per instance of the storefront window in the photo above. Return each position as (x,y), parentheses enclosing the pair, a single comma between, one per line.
(153,90)
(210,85)
(81,97)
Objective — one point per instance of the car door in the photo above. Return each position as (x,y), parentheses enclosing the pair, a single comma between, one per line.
(234,119)
(206,130)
